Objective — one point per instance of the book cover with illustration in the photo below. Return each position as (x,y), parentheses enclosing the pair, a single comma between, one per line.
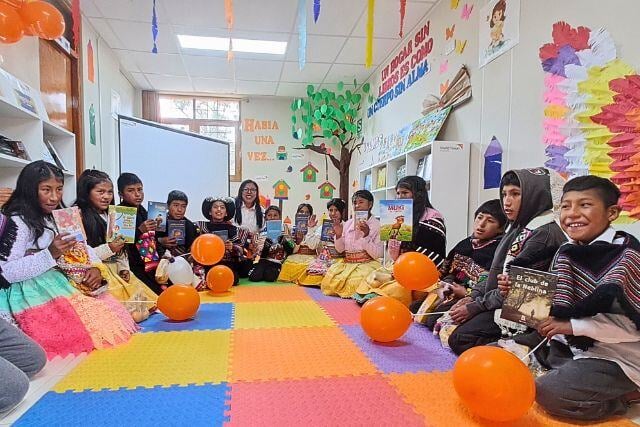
(158,213)
(327,234)
(69,221)
(302,223)
(122,222)
(396,220)
(529,299)
(223,234)
(274,230)
(177,230)
(359,216)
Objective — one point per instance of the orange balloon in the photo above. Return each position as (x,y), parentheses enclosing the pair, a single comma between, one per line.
(11,27)
(179,302)
(220,279)
(42,19)
(385,319)
(494,384)
(16,4)
(415,271)
(207,249)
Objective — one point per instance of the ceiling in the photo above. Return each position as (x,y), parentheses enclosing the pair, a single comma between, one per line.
(335,44)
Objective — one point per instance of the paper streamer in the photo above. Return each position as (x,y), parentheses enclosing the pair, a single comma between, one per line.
(403,8)
(302,33)
(154,29)
(493,164)
(316,10)
(369,53)
(228,13)
(77,17)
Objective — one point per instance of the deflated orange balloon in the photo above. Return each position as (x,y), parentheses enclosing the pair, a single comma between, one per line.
(415,271)
(494,384)
(207,249)
(179,302)
(11,27)
(385,319)
(220,279)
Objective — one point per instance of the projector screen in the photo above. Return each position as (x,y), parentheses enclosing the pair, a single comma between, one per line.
(167,159)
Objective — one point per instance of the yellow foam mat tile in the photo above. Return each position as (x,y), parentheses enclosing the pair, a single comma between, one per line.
(432,395)
(254,315)
(159,359)
(208,297)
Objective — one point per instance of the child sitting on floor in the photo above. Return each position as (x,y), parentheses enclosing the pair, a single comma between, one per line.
(272,253)
(219,211)
(177,202)
(304,252)
(594,352)
(466,262)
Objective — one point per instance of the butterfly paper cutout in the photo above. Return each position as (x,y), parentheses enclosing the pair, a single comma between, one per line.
(448,32)
(460,45)
(444,66)
(454,4)
(466,12)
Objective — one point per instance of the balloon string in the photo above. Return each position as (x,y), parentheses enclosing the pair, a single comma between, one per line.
(526,356)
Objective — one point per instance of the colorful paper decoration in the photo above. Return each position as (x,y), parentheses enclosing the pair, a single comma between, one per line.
(281,190)
(228,13)
(369,53)
(316,10)
(449,32)
(493,164)
(154,29)
(302,33)
(309,173)
(454,4)
(77,17)
(326,190)
(281,153)
(92,125)
(466,12)
(91,72)
(444,66)
(403,8)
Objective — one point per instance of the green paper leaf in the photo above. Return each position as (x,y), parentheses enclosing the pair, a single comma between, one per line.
(356,98)
(366,87)
(309,90)
(340,86)
(299,102)
(317,97)
(317,114)
(327,133)
(348,95)
(325,93)
(340,100)
(293,119)
(293,106)
(339,114)
(371,99)
(305,118)
(323,108)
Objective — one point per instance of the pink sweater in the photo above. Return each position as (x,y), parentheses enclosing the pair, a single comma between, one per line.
(353,240)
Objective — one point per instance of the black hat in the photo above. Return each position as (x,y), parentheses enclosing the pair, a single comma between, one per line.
(229,204)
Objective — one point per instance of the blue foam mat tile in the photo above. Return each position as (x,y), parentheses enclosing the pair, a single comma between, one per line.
(175,406)
(209,317)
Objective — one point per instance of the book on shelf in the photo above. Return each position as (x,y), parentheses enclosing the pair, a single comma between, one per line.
(69,221)
(327,234)
(13,148)
(367,182)
(529,299)
(396,220)
(176,228)
(401,172)
(428,165)
(420,167)
(382,178)
(57,160)
(122,223)
(158,212)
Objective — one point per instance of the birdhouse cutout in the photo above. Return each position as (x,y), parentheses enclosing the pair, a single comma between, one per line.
(309,173)
(326,190)
(281,190)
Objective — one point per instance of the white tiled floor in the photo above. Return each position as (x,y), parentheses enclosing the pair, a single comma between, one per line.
(40,385)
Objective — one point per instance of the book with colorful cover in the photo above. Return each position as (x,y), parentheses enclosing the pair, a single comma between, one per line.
(122,223)
(367,182)
(302,223)
(396,220)
(158,213)
(382,178)
(176,228)
(274,230)
(223,234)
(327,234)
(359,216)
(69,221)
(529,299)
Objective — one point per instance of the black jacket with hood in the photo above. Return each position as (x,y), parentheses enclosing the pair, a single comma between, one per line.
(530,241)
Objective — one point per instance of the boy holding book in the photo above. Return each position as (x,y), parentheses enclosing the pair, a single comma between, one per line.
(594,349)
(177,202)
(530,241)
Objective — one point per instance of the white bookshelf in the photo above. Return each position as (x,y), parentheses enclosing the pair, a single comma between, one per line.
(19,123)
(448,182)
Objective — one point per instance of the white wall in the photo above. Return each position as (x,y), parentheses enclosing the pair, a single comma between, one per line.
(22,60)
(507,93)
(267,172)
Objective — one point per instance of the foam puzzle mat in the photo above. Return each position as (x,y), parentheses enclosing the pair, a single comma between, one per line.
(265,354)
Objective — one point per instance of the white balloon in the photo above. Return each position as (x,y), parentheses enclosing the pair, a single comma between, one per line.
(180,272)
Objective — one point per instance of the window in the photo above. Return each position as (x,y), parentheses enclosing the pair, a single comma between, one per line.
(217,118)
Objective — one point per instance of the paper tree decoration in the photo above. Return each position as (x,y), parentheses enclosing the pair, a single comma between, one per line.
(326,190)
(309,173)
(281,190)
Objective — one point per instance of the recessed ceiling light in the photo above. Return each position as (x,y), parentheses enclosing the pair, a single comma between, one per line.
(259,46)
(201,42)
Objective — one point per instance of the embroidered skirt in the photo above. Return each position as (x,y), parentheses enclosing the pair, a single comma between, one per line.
(294,267)
(137,297)
(63,320)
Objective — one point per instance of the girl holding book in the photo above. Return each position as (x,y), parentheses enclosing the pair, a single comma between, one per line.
(95,195)
(429,236)
(219,212)
(324,241)
(359,240)
(306,242)
(272,250)
(34,293)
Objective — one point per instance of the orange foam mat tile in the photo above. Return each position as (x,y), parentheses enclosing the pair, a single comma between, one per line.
(432,395)
(290,353)
(269,293)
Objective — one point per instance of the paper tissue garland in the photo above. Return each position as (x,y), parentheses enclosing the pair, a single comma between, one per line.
(592,110)
(302,33)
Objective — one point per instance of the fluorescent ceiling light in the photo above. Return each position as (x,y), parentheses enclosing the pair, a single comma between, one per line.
(259,46)
(207,43)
